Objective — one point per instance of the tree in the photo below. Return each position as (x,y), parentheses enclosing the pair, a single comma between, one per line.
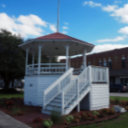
(12,58)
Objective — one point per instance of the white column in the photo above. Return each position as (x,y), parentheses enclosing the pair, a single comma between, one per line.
(39,58)
(26,64)
(33,59)
(67,57)
(62,102)
(33,62)
(78,91)
(84,59)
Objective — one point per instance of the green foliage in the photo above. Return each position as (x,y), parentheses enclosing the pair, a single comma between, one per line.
(95,113)
(56,117)
(47,123)
(69,119)
(12,58)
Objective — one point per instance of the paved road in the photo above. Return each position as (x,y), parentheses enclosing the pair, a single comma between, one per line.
(119,94)
(7,121)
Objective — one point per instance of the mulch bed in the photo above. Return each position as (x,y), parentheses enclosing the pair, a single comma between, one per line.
(28,113)
(34,118)
(110,117)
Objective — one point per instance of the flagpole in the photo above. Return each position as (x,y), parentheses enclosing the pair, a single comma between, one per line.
(58,15)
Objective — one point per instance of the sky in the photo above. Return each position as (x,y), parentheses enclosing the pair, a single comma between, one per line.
(103,23)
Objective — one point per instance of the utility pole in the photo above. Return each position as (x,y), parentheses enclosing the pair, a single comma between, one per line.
(58,15)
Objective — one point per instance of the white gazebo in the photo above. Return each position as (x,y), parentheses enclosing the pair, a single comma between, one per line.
(51,84)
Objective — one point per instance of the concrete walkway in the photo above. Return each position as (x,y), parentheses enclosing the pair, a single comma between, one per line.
(7,121)
(119,94)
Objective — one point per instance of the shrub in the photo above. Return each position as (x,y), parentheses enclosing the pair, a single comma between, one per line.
(110,111)
(56,117)
(123,103)
(91,116)
(47,123)
(84,116)
(78,117)
(69,119)
(95,113)
(104,112)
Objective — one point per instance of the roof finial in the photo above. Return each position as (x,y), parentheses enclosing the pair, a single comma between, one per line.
(58,15)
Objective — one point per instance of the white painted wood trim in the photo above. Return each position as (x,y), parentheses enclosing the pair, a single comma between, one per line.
(26,63)
(84,59)
(39,58)
(67,57)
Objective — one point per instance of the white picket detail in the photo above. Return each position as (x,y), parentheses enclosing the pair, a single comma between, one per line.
(46,68)
(99,74)
(50,93)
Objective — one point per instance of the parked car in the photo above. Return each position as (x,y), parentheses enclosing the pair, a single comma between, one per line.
(118,88)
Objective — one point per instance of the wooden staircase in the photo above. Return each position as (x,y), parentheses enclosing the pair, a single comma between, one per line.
(67,92)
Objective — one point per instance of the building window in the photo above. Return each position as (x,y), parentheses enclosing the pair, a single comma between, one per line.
(105,63)
(110,63)
(123,61)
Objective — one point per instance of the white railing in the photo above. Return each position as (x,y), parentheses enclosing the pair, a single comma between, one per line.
(74,90)
(46,68)
(58,86)
(99,74)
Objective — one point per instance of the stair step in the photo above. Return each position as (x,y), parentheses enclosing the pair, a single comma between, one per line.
(46,112)
(57,100)
(51,108)
(55,104)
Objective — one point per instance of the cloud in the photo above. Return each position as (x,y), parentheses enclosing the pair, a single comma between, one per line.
(124,30)
(106,47)
(92,4)
(65,27)
(109,8)
(52,27)
(116,39)
(25,25)
(64,32)
(118,2)
(120,13)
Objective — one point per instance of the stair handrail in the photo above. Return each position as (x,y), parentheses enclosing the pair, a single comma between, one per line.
(57,87)
(73,84)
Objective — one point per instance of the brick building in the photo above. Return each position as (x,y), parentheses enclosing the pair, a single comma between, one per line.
(116,60)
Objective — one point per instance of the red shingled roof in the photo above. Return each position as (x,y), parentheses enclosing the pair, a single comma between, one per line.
(57,36)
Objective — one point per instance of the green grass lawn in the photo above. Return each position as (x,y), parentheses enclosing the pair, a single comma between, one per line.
(8,96)
(119,98)
(121,122)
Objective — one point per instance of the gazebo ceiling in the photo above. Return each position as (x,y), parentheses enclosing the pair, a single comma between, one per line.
(54,45)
